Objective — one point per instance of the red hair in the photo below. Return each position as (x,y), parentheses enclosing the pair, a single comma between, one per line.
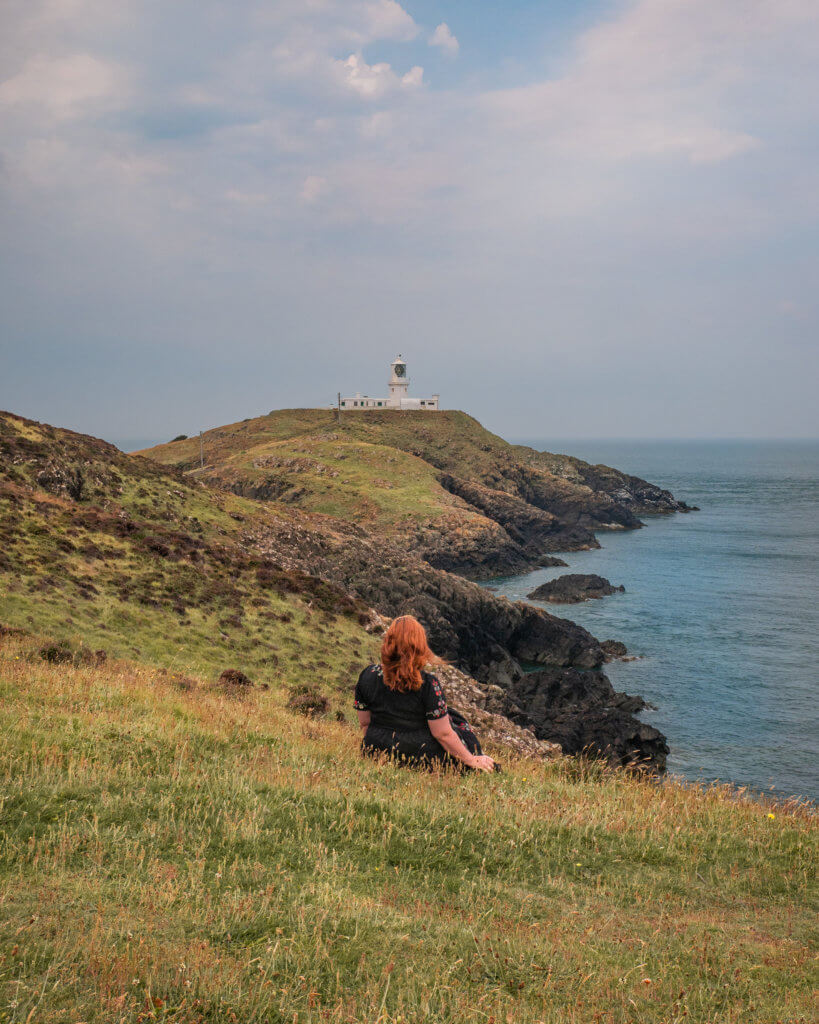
(404,653)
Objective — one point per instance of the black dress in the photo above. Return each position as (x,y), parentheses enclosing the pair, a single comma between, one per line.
(399,723)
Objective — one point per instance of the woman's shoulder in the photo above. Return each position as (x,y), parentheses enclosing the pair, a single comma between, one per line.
(374,671)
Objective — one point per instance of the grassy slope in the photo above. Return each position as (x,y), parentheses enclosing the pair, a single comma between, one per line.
(402,453)
(186,857)
(450,439)
(373,484)
(150,567)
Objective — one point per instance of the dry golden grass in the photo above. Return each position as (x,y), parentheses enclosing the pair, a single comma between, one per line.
(187,856)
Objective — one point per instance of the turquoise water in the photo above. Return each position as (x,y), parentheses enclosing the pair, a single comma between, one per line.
(722,605)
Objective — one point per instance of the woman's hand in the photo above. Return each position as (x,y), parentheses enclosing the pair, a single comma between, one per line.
(441,729)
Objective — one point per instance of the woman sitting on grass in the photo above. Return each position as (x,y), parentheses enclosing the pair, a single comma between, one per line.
(402,710)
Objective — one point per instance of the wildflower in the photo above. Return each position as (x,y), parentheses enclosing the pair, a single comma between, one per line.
(578,865)
(771,815)
(646,981)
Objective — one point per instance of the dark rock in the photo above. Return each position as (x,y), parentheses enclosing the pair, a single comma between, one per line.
(530,527)
(574,588)
(550,562)
(487,635)
(232,677)
(629,492)
(613,649)
(582,712)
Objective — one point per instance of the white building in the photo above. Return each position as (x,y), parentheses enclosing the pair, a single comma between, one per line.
(398,398)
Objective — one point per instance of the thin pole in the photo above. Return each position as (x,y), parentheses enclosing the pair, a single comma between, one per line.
(338,410)
(201,451)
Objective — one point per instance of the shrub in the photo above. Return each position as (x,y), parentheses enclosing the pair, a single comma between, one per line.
(233,677)
(56,653)
(308,702)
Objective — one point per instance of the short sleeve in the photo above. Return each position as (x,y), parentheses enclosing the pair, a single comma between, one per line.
(434,702)
(361,700)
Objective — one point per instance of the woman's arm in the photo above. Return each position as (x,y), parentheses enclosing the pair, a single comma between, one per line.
(441,729)
(364,719)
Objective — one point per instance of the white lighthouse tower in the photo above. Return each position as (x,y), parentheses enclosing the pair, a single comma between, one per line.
(399,384)
(398,397)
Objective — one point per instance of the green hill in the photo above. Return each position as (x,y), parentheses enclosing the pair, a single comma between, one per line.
(465,499)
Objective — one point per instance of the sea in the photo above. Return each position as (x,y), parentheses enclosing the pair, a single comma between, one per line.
(721,606)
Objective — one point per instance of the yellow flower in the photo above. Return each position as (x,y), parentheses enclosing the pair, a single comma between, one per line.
(578,865)
(771,815)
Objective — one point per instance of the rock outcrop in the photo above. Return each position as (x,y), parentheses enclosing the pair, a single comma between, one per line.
(581,711)
(614,649)
(483,707)
(574,588)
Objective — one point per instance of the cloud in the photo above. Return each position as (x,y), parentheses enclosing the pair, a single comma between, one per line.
(372,81)
(313,187)
(386,19)
(64,86)
(414,77)
(656,80)
(443,38)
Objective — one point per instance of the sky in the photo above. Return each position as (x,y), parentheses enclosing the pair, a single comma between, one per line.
(573,219)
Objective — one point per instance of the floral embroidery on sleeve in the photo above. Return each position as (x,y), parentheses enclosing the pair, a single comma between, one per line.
(439,708)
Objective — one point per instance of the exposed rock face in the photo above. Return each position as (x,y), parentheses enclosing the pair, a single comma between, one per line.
(486,635)
(569,701)
(574,588)
(635,495)
(614,649)
(581,712)
(483,708)
(640,496)
(532,528)
(484,551)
